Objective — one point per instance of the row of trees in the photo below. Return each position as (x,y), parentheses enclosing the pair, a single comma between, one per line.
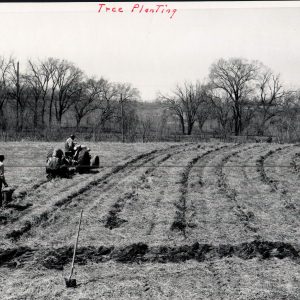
(239,94)
(49,90)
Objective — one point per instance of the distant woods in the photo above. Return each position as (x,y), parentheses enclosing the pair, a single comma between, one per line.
(239,98)
(54,94)
(53,97)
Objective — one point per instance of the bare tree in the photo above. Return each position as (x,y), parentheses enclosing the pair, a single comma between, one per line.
(19,91)
(146,126)
(270,96)
(175,107)
(49,67)
(66,78)
(125,94)
(287,120)
(185,103)
(39,79)
(88,97)
(162,126)
(205,108)
(130,121)
(5,68)
(235,79)
(41,73)
(221,110)
(106,104)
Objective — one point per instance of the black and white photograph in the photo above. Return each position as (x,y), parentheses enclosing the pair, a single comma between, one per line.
(150,150)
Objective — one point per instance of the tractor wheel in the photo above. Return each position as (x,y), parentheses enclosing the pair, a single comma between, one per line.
(95,162)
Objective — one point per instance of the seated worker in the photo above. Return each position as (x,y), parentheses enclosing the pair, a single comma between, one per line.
(83,159)
(70,146)
(56,165)
(2,177)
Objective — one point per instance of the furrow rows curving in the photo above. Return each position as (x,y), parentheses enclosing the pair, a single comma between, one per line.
(254,197)
(180,222)
(283,183)
(295,163)
(68,196)
(112,219)
(261,169)
(244,216)
(295,166)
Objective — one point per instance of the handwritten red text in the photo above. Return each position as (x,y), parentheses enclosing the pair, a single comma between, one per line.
(139,8)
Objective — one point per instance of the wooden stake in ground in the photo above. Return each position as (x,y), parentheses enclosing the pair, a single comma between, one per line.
(72,282)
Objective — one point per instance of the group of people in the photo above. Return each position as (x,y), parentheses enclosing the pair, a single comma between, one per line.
(75,155)
(58,162)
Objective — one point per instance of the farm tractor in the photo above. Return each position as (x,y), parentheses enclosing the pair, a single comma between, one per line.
(63,164)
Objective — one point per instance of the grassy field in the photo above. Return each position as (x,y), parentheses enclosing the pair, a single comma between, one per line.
(160,221)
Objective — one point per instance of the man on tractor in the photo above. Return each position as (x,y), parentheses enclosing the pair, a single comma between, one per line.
(70,146)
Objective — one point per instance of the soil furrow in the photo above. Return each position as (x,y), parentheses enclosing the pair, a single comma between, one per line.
(180,222)
(285,185)
(112,219)
(243,214)
(261,169)
(206,220)
(57,258)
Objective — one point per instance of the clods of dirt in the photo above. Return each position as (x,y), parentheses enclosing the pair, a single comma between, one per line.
(58,258)
(131,253)
(3,219)
(113,220)
(15,257)
(17,233)
(19,207)
(141,253)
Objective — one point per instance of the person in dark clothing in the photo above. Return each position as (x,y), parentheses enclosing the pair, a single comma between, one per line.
(2,177)
(70,146)
(56,165)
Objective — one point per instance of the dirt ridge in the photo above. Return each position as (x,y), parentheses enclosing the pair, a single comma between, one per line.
(244,216)
(57,258)
(261,168)
(277,186)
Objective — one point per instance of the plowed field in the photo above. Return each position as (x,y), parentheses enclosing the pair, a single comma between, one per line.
(160,221)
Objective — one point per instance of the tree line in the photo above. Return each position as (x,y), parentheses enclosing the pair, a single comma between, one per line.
(239,97)
(53,89)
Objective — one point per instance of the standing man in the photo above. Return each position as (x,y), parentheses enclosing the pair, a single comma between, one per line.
(70,146)
(2,177)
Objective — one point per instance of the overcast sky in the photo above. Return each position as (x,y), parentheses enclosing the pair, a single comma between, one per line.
(151,50)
